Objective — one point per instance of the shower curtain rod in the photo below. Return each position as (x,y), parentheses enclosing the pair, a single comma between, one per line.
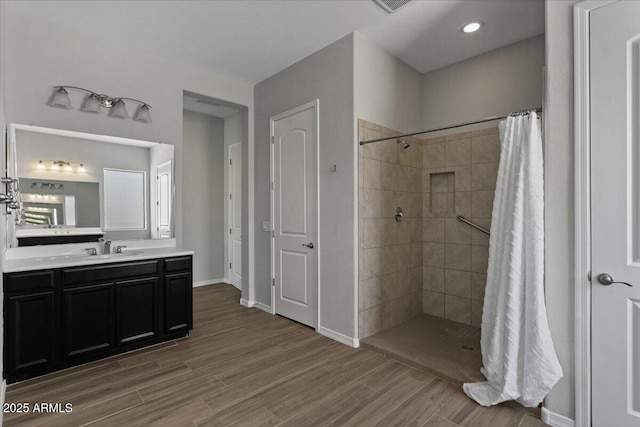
(488,119)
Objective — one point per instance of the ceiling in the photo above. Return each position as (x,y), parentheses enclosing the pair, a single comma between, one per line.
(254,39)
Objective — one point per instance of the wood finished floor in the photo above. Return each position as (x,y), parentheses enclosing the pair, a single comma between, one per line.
(244,367)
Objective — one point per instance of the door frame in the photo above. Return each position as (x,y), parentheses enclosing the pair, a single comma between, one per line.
(582,201)
(312,104)
(227,216)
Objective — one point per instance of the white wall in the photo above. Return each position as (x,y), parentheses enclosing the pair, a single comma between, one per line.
(388,92)
(326,75)
(39,55)
(559,208)
(492,84)
(232,135)
(203,194)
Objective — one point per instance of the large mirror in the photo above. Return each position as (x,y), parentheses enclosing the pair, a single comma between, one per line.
(75,183)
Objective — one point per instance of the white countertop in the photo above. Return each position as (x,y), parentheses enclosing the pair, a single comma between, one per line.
(72,259)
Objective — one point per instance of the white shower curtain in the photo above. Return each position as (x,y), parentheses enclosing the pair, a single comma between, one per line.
(519,359)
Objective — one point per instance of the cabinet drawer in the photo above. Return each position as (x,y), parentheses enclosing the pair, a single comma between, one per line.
(177,264)
(30,281)
(92,274)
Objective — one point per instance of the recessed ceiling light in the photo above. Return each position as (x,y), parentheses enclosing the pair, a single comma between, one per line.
(471,27)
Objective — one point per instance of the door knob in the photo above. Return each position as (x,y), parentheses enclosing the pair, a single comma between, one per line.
(606,279)
(310,245)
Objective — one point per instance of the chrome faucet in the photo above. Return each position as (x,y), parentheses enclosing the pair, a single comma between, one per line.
(106,248)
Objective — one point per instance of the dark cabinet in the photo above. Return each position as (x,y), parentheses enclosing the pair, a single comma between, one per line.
(178,300)
(87,314)
(137,311)
(29,331)
(58,318)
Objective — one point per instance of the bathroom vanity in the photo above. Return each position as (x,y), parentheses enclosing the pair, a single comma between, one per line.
(68,299)
(62,311)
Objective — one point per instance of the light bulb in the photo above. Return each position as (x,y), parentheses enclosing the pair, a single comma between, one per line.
(55,167)
(471,27)
(41,165)
(81,168)
(68,168)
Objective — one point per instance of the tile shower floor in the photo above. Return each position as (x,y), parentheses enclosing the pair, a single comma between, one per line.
(448,349)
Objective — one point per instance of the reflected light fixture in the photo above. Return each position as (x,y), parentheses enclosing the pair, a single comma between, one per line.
(61,165)
(471,27)
(94,101)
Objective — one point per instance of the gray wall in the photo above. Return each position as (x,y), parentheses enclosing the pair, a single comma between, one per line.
(42,54)
(33,146)
(203,194)
(559,209)
(388,92)
(492,84)
(326,75)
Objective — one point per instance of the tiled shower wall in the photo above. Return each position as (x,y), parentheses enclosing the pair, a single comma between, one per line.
(459,179)
(390,252)
(430,262)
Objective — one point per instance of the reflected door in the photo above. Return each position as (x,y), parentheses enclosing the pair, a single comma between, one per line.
(164,199)
(615,213)
(294,138)
(235,214)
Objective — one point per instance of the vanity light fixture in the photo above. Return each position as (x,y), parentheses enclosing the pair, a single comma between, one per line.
(94,101)
(61,99)
(471,27)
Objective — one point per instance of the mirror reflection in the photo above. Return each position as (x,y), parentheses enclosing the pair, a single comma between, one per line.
(50,203)
(77,181)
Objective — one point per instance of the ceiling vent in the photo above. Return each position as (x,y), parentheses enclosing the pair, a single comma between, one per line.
(392,5)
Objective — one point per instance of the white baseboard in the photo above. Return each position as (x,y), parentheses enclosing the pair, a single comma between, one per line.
(556,420)
(263,307)
(255,304)
(352,342)
(207,282)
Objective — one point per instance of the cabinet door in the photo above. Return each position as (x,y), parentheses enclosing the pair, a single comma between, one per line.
(178,313)
(137,310)
(88,319)
(30,331)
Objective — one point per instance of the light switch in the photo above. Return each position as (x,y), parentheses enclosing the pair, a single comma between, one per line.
(266,226)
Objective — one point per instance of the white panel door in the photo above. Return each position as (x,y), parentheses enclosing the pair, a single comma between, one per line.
(615,209)
(165,201)
(235,214)
(294,141)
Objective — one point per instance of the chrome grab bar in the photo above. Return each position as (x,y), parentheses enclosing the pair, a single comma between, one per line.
(477,227)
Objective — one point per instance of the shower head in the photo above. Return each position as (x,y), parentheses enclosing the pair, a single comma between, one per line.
(405,144)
